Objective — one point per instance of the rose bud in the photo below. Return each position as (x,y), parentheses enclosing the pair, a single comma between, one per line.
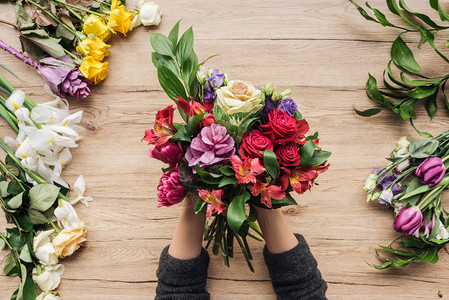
(408,220)
(169,153)
(431,171)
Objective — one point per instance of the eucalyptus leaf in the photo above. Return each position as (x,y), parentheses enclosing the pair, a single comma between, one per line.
(43,196)
(16,201)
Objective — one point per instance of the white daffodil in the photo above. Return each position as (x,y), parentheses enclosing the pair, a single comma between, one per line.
(79,188)
(15,101)
(66,215)
(48,296)
(149,13)
(49,277)
(43,248)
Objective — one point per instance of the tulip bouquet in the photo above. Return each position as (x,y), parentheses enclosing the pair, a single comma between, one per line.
(34,197)
(239,147)
(412,184)
(57,28)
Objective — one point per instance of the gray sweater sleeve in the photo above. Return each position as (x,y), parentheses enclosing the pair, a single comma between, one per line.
(182,279)
(294,273)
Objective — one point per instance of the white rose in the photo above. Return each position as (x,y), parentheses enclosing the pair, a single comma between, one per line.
(239,96)
(149,14)
(48,296)
(43,248)
(49,277)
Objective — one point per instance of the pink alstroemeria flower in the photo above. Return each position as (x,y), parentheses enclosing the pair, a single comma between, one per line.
(268,192)
(245,171)
(213,200)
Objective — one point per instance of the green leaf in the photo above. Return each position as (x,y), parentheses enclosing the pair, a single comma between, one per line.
(171,83)
(287,200)
(369,112)
(25,254)
(161,44)
(403,56)
(363,12)
(307,152)
(420,190)
(431,104)
(193,123)
(37,217)
(173,35)
(206,176)
(24,20)
(161,60)
(423,148)
(24,222)
(9,266)
(227,171)
(4,189)
(29,289)
(236,211)
(380,16)
(421,133)
(423,17)
(443,15)
(185,46)
(14,239)
(49,45)
(199,205)
(43,196)
(16,201)
(421,92)
(271,164)
(227,181)
(373,92)
(297,115)
(220,114)
(182,135)
(319,157)
(2,244)
(14,187)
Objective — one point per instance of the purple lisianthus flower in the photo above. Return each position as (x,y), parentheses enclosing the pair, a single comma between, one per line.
(209,95)
(216,79)
(64,78)
(269,105)
(288,106)
(213,144)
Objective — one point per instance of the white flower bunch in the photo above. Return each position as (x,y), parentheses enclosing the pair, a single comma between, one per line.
(45,136)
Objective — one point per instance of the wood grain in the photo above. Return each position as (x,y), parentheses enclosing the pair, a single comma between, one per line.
(323,51)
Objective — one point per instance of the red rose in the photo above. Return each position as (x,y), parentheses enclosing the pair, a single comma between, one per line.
(288,155)
(282,128)
(253,143)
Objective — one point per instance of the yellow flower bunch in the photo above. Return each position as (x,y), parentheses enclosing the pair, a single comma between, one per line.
(120,19)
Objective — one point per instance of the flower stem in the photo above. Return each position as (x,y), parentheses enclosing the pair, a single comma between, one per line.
(18,54)
(70,54)
(67,5)
(9,23)
(6,241)
(28,102)
(54,226)
(53,17)
(109,4)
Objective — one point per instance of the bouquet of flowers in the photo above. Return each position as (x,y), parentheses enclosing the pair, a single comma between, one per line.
(404,91)
(239,147)
(34,197)
(75,34)
(412,184)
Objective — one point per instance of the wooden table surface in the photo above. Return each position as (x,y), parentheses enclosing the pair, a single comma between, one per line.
(323,51)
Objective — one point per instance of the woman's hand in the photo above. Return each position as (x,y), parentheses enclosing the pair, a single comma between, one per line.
(277,233)
(187,241)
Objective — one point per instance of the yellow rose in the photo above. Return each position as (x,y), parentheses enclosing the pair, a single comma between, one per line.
(69,240)
(239,96)
(120,19)
(93,69)
(93,47)
(96,25)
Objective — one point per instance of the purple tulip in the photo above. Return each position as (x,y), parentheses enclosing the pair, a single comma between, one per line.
(408,220)
(216,79)
(170,190)
(431,171)
(213,144)
(288,106)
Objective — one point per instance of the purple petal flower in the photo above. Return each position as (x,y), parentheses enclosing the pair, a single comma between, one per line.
(209,95)
(288,106)
(431,171)
(408,220)
(63,78)
(213,144)
(269,105)
(216,79)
